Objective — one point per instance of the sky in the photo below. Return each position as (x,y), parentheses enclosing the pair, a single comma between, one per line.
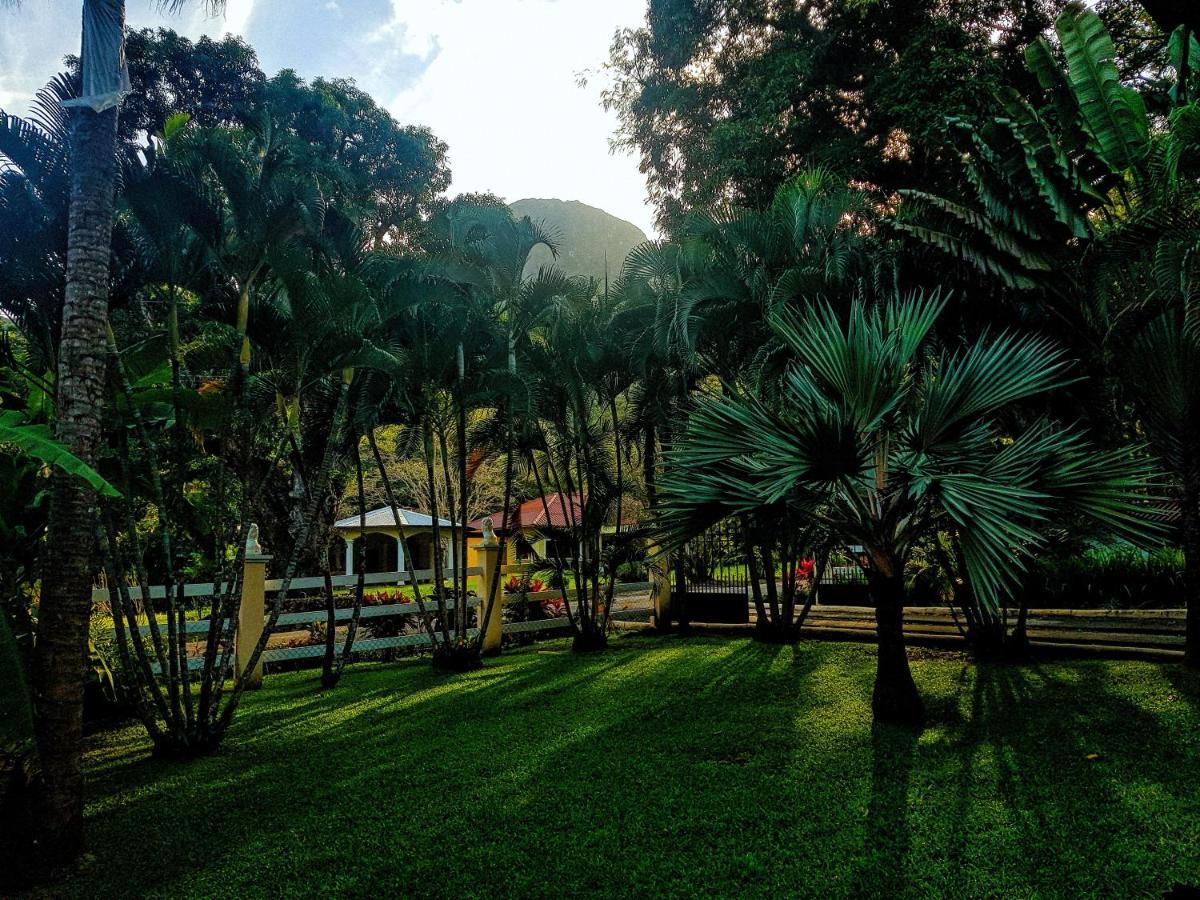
(498,80)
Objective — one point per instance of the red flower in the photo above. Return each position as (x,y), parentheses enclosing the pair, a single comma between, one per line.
(806,568)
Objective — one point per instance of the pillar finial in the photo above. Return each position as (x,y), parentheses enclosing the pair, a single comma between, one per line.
(253,547)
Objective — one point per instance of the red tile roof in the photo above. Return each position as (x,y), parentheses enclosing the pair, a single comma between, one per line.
(532,514)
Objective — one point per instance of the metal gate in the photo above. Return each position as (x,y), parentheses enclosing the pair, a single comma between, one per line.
(711,581)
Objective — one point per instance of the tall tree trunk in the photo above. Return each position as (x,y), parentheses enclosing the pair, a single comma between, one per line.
(66,598)
(409,556)
(761,622)
(895,698)
(439,581)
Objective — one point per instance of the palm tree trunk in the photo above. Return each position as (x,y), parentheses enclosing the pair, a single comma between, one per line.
(360,564)
(439,584)
(390,495)
(761,622)
(1191,564)
(895,699)
(327,662)
(66,598)
(494,604)
(460,591)
(460,554)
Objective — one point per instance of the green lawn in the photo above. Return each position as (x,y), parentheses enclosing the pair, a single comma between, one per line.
(668,766)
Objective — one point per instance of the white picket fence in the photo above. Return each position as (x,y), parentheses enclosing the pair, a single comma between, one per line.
(416,636)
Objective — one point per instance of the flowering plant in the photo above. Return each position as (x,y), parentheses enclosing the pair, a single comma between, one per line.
(516,585)
(381,597)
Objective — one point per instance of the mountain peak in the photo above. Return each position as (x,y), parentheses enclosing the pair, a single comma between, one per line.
(587,237)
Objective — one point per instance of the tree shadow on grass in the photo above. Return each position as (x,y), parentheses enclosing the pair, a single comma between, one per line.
(323,782)
(1073,758)
(879,870)
(1186,682)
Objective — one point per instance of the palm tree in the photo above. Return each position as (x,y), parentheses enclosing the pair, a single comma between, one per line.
(66,586)
(1086,201)
(458,316)
(702,305)
(581,378)
(881,442)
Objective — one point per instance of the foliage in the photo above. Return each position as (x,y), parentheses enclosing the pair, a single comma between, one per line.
(1091,205)
(1107,577)
(631,572)
(748,734)
(36,442)
(392,173)
(892,438)
(881,442)
(725,100)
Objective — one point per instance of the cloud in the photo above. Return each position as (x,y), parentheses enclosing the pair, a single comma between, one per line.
(344,38)
(504,93)
(496,79)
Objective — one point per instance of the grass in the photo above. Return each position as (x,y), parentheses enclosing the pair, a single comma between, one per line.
(668,766)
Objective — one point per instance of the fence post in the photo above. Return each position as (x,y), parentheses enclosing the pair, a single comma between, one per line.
(487,553)
(660,587)
(252,611)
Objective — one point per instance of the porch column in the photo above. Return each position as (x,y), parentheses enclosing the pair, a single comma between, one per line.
(400,554)
(349,556)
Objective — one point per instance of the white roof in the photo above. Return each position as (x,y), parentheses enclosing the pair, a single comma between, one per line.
(383,518)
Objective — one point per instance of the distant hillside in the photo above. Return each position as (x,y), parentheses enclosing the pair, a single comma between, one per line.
(586,235)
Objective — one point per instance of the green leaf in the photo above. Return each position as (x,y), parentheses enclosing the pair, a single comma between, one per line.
(175,122)
(1184,52)
(1040,60)
(36,441)
(1114,115)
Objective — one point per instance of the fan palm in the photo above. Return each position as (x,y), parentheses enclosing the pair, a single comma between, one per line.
(881,442)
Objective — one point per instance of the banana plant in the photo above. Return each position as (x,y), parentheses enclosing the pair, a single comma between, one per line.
(36,442)
(1085,201)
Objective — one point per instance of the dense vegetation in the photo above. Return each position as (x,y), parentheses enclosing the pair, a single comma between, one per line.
(927,302)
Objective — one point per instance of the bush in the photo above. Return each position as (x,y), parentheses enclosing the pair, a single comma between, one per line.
(631,573)
(1108,577)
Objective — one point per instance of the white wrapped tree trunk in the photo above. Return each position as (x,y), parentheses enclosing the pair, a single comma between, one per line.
(102,57)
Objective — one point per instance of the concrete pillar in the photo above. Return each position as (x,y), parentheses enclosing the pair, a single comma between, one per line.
(400,554)
(490,631)
(349,556)
(251,615)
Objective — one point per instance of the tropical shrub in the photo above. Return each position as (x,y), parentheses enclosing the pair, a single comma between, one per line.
(631,572)
(1085,202)
(1115,576)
